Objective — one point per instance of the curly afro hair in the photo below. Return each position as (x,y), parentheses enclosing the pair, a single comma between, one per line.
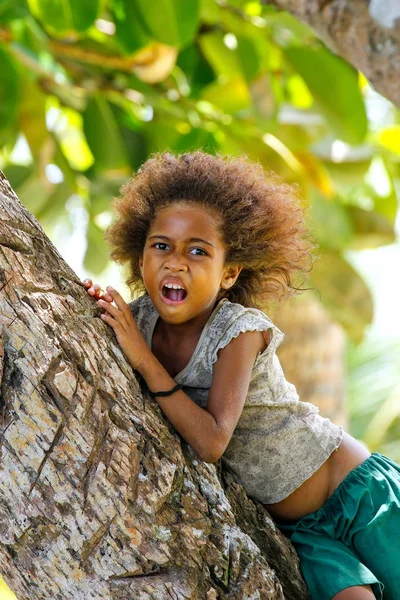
(262,220)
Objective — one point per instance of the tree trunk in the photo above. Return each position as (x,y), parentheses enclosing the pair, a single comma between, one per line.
(98,497)
(366,33)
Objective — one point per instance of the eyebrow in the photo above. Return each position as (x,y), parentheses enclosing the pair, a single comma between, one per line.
(193,239)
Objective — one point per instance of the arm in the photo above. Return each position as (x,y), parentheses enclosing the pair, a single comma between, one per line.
(209,430)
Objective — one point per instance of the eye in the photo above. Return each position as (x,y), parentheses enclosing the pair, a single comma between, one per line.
(198,252)
(160,246)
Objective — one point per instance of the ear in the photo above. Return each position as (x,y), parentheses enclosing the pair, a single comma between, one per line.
(140,263)
(230,275)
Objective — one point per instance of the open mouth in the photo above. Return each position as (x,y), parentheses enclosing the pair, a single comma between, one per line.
(173,294)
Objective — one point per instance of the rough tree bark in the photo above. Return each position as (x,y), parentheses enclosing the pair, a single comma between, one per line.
(98,497)
(364,32)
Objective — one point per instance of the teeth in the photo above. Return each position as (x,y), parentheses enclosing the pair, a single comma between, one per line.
(173,286)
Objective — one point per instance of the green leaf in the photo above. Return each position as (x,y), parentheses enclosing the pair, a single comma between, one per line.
(54,208)
(230,96)
(63,16)
(32,115)
(196,69)
(389,137)
(249,58)
(331,223)
(232,56)
(17,174)
(344,293)
(135,145)
(380,424)
(371,229)
(131,31)
(102,193)
(210,12)
(13,9)
(32,39)
(334,85)
(348,173)
(9,88)
(161,135)
(287,30)
(383,182)
(96,256)
(33,193)
(73,143)
(196,138)
(104,138)
(173,22)
(376,193)
(373,380)
(9,137)
(222,59)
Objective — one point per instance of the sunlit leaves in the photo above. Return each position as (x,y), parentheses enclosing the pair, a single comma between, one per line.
(131,31)
(9,88)
(63,16)
(32,115)
(197,70)
(17,174)
(111,82)
(389,137)
(382,421)
(373,391)
(12,9)
(371,229)
(338,226)
(67,125)
(172,22)
(104,138)
(230,96)
(298,92)
(334,86)
(96,257)
(224,60)
(344,293)
(34,191)
(331,222)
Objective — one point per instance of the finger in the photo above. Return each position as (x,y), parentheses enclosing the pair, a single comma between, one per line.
(94,290)
(112,310)
(107,318)
(99,293)
(106,296)
(119,301)
(87,283)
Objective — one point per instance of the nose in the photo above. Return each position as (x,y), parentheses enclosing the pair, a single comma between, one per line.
(175,262)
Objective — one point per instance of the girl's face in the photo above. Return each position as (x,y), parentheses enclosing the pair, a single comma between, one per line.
(183,263)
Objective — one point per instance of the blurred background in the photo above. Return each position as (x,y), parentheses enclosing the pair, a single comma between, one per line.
(89,90)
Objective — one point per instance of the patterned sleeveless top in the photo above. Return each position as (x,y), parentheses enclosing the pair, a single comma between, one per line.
(279,441)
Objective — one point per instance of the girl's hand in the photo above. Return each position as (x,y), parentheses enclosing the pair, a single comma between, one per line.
(93,289)
(120,318)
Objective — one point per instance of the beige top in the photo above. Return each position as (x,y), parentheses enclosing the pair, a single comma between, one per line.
(279,441)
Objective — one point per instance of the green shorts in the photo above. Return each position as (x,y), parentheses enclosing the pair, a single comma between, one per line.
(354,539)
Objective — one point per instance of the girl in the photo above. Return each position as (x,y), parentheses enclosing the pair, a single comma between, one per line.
(208,240)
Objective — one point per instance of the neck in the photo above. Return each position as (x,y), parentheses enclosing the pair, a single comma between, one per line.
(190,329)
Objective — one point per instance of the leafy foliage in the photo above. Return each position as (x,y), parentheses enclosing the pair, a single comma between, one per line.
(89,89)
(374,394)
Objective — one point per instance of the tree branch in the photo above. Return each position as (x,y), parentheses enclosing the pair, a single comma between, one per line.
(365,33)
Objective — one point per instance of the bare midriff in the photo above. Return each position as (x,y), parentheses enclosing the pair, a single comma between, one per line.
(316,490)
